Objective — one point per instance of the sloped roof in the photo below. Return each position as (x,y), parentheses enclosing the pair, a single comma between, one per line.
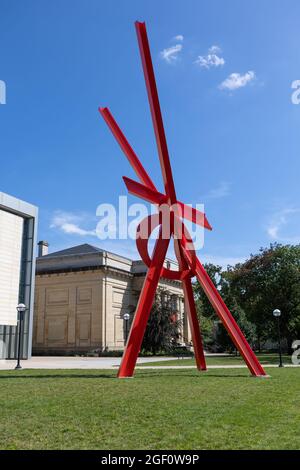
(83,249)
(84,257)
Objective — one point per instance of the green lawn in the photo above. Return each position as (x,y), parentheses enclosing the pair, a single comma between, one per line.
(221,360)
(165,409)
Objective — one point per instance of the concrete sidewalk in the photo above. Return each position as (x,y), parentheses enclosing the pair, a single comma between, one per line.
(52,362)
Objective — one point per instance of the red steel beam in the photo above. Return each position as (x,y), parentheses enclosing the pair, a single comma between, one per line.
(142,313)
(190,308)
(139,190)
(127,149)
(155,197)
(190,213)
(157,120)
(224,314)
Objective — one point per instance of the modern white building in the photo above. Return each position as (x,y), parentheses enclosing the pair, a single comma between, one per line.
(18,223)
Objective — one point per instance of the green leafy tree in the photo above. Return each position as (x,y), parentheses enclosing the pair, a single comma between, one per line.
(204,307)
(216,336)
(269,280)
(207,327)
(206,314)
(223,340)
(253,289)
(163,327)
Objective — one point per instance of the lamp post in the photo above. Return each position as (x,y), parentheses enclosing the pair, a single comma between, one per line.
(126,317)
(277,314)
(21,310)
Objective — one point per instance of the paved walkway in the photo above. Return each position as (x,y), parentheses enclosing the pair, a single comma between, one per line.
(233,366)
(105,363)
(64,362)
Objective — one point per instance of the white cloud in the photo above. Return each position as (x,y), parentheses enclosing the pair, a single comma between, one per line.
(170,55)
(74,229)
(277,223)
(212,59)
(222,190)
(179,37)
(214,50)
(236,80)
(69,223)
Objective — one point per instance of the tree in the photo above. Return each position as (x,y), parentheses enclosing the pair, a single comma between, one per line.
(163,327)
(222,338)
(217,337)
(253,289)
(207,327)
(204,307)
(206,314)
(269,280)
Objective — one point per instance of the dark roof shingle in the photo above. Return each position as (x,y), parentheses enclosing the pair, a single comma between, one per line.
(83,249)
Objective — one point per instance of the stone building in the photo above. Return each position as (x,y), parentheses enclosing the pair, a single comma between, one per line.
(82,294)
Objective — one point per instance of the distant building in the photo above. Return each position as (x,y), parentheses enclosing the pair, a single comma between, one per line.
(82,294)
(18,223)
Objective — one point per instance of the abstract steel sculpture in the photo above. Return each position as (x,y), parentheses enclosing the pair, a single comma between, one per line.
(189,264)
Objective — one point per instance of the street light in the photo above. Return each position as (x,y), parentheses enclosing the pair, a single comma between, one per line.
(21,308)
(277,314)
(126,317)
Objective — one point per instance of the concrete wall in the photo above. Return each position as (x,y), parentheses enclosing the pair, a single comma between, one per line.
(9,334)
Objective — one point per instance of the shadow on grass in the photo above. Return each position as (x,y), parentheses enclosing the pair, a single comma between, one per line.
(200,376)
(58,376)
(139,375)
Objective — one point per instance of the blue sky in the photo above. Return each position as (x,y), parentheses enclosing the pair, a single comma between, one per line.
(233,139)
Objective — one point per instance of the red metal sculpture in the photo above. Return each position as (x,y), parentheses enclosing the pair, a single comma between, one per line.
(189,264)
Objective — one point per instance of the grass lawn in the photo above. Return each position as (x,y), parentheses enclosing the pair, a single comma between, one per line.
(158,409)
(221,360)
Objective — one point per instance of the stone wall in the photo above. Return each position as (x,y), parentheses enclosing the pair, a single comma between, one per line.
(83,311)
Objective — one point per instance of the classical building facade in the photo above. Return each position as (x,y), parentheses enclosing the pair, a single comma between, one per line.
(82,294)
